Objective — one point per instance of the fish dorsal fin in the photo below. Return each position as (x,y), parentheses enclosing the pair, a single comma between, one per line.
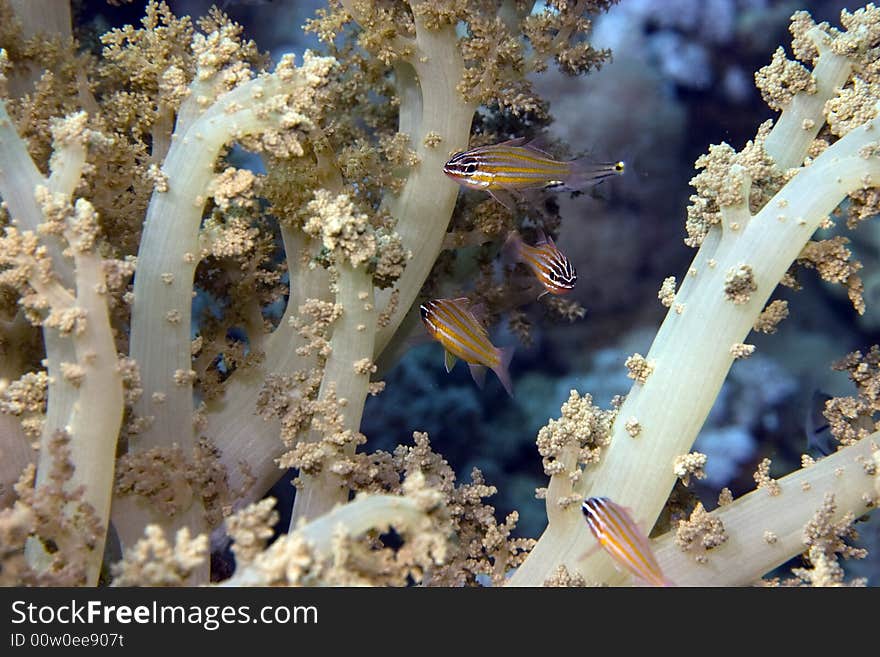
(538,145)
(513,246)
(544,238)
(449,360)
(534,144)
(516,141)
(478,310)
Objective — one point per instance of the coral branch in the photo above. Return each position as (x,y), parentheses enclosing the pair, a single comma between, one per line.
(347,385)
(268,111)
(241,435)
(19,177)
(747,555)
(300,557)
(691,353)
(424,206)
(803,118)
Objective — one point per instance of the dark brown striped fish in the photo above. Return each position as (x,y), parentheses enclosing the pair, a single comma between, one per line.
(549,265)
(454,324)
(516,165)
(620,536)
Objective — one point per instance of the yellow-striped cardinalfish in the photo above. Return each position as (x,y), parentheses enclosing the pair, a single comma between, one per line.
(549,265)
(620,536)
(517,165)
(455,325)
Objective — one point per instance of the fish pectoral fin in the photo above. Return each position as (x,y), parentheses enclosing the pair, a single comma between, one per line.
(589,552)
(449,360)
(478,372)
(504,197)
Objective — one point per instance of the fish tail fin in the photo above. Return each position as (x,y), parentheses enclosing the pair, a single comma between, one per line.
(585,173)
(631,161)
(502,370)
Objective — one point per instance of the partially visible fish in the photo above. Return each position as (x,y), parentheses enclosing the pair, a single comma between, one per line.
(455,325)
(816,426)
(227,3)
(518,165)
(620,536)
(549,265)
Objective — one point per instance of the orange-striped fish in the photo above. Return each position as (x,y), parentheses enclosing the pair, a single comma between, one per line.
(549,265)
(621,537)
(454,324)
(516,165)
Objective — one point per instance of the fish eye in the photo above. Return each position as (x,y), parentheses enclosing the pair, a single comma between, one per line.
(470,168)
(619,167)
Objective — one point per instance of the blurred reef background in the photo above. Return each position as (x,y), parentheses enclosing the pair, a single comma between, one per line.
(681,78)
